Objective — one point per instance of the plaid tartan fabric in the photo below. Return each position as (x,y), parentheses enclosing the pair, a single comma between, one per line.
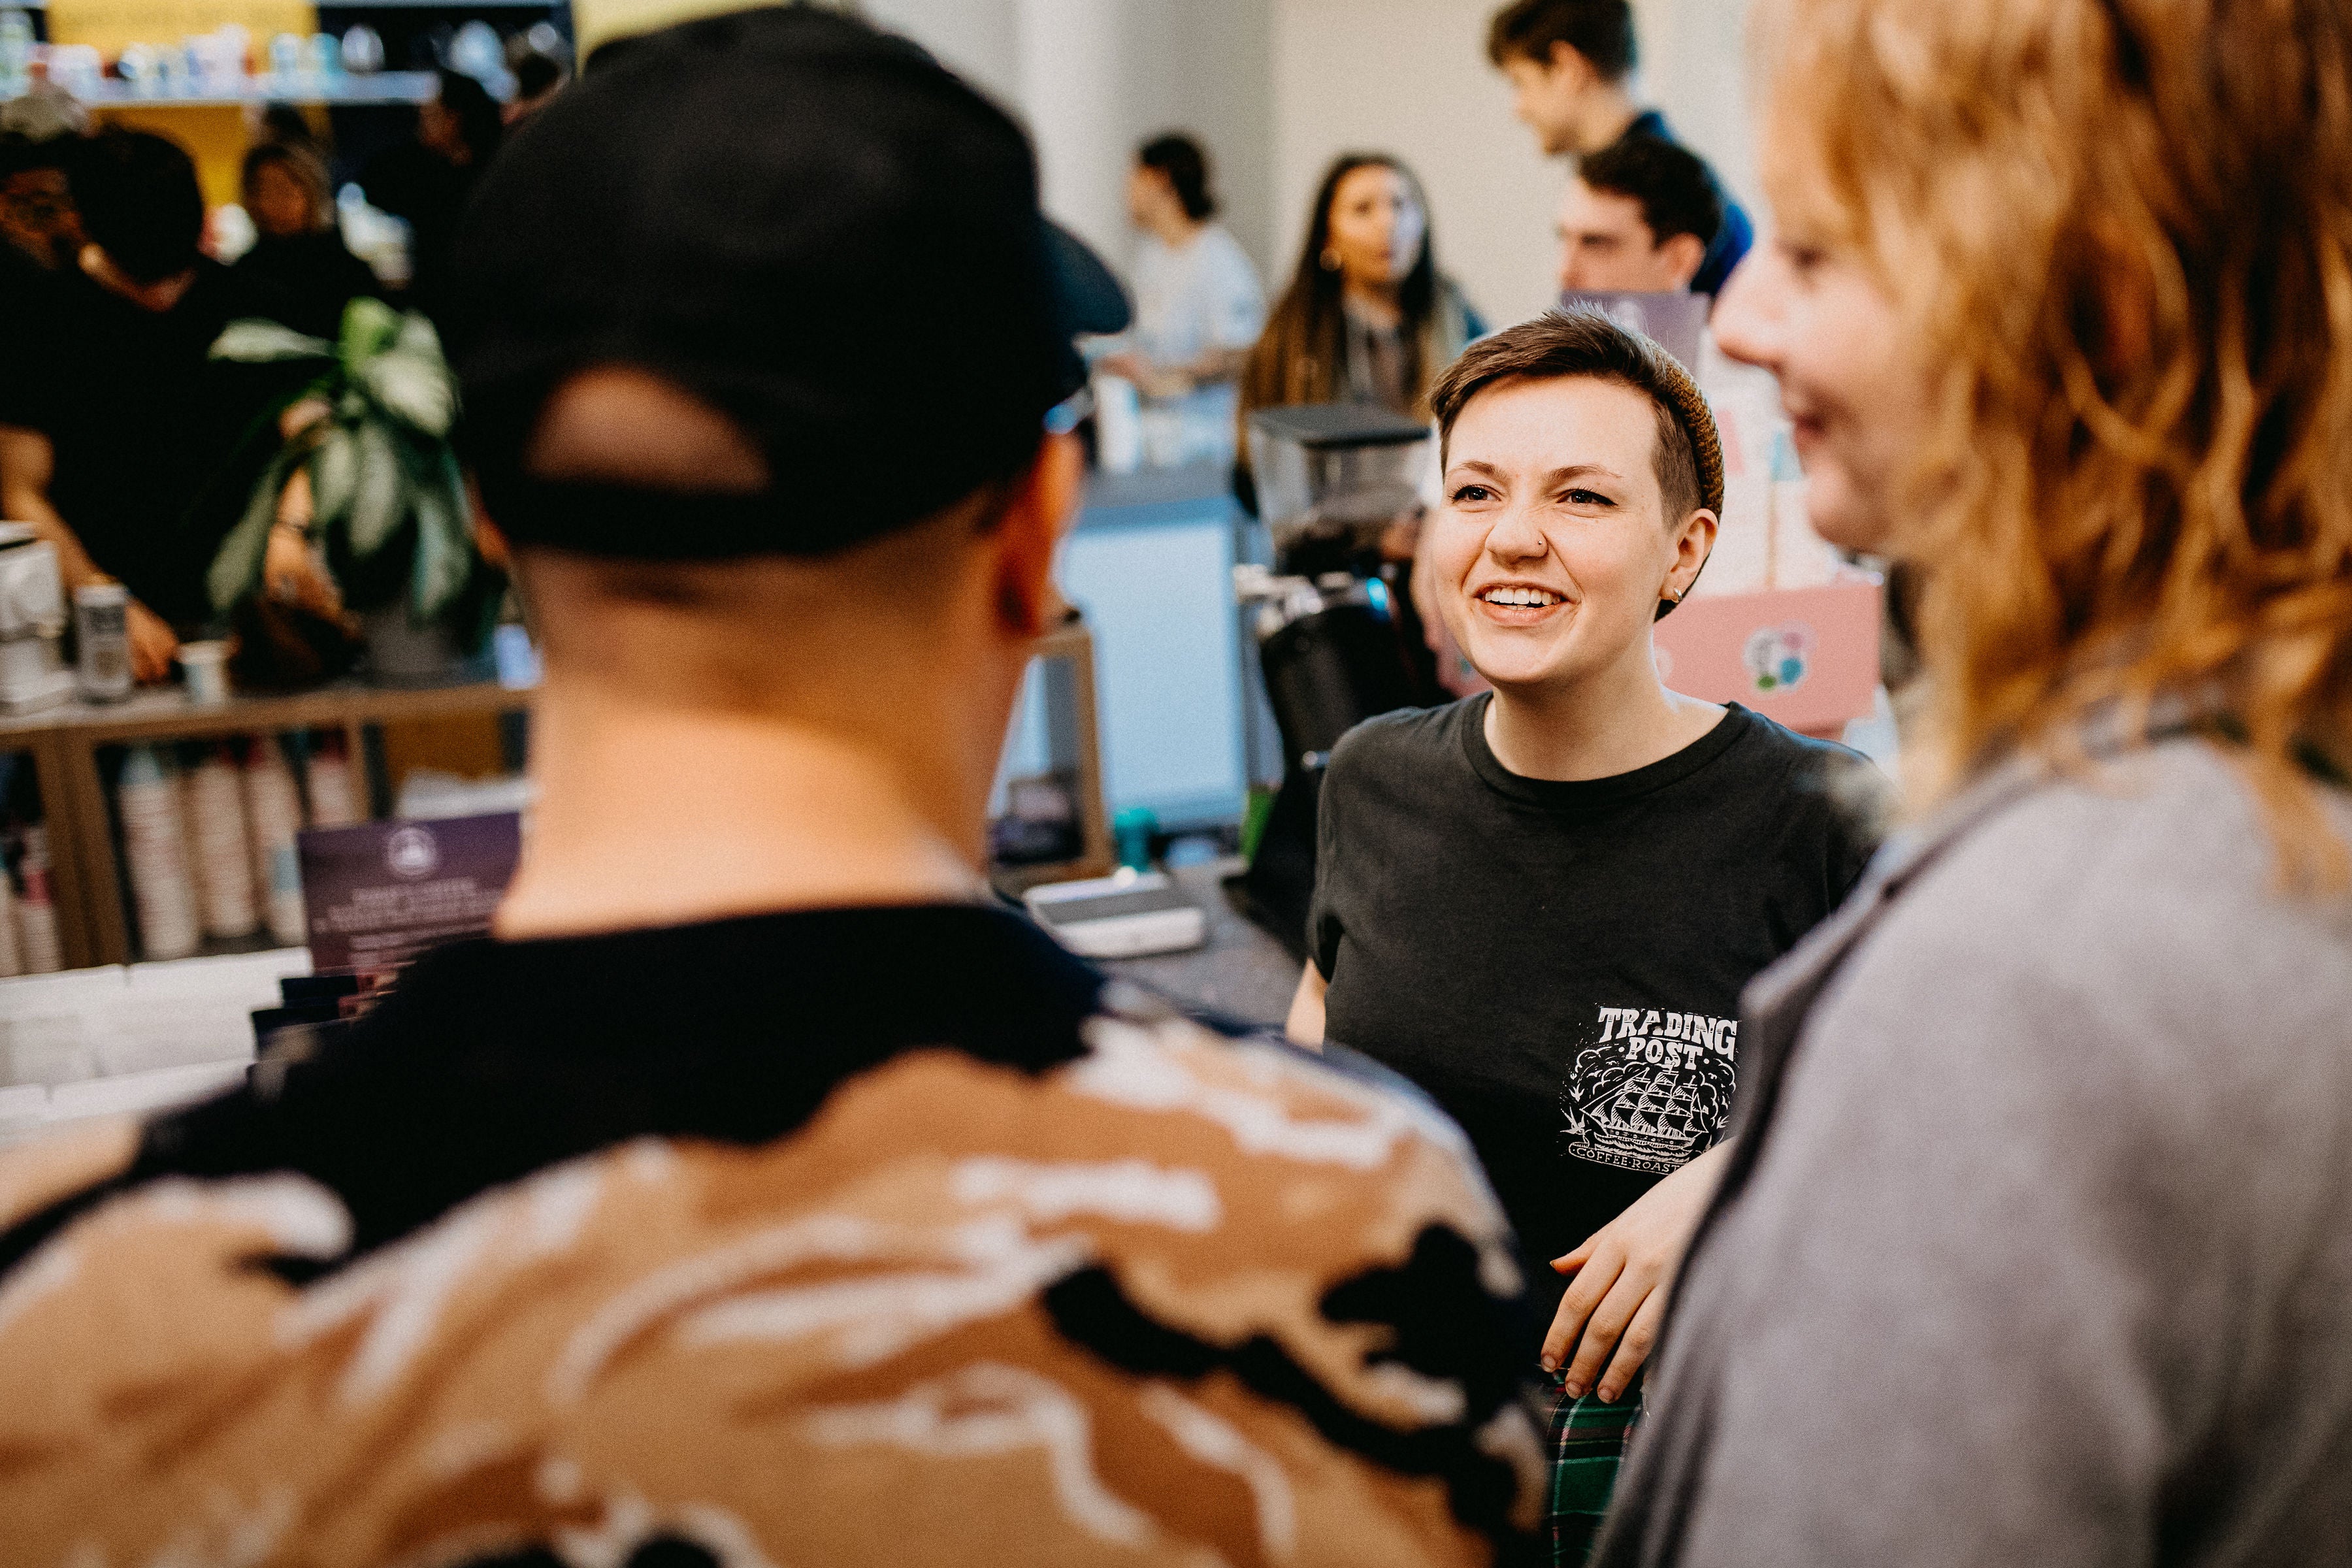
(1587,1440)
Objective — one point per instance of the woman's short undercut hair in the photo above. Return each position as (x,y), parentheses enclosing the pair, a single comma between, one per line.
(1560,345)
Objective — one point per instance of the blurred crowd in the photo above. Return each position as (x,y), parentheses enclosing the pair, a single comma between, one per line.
(124,438)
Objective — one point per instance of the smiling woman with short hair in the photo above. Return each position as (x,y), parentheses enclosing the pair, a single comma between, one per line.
(1541,905)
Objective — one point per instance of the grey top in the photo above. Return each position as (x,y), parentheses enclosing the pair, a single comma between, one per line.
(2037,1247)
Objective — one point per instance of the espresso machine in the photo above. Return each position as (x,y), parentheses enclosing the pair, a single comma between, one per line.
(1325,598)
(33,674)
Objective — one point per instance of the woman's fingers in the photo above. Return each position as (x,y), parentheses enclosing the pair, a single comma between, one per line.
(153,644)
(1591,1285)
(1633,1350)
(1605,1328)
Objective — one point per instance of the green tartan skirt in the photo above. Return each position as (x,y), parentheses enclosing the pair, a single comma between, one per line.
(1588,1442)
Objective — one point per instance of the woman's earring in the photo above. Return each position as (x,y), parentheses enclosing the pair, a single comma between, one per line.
(1330,259)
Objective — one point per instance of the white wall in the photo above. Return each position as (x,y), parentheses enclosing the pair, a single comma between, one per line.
(1093,78)
(979,39)
(1410,78)
(1695,69)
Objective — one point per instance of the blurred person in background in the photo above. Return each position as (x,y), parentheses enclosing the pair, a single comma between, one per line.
(1199,306)
(428,180)
(120,440)
(40,232)
(287,125)
(38,219)
(298,246)
(1571,65)
(1637,217)
(2033,1246)
(763,1190)
(1368,316)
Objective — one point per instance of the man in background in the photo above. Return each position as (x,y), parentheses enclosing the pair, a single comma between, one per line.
(38,135)
(428,180)
(122,441)
(1571,65)
(764,1192)
(40,232)
(1637,217)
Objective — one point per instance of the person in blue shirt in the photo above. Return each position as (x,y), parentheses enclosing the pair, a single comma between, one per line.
(1570,63)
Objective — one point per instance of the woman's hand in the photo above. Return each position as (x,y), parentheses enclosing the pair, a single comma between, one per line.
(1624,1273)
(153,643)
(290,571)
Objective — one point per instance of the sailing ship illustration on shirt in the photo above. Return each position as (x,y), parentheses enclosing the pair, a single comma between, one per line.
(1651,1090)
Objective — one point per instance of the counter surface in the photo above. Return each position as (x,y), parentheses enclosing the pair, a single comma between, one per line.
(1243,973)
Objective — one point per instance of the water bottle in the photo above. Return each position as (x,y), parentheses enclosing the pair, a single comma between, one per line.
(273,815)
(226,901)
(155,846)
(334,795)
(36,914)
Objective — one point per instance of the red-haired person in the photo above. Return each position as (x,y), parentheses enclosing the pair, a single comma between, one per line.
(2033,1246)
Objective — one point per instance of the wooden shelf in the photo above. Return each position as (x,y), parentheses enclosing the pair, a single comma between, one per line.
(168,715)
(64,744)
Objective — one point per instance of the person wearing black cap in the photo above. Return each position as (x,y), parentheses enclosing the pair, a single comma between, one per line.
(761,1193)
(1541,905)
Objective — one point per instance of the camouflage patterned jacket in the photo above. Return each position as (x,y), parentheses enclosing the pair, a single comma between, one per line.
(841,1237)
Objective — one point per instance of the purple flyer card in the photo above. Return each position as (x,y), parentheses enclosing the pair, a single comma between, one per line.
(382,892)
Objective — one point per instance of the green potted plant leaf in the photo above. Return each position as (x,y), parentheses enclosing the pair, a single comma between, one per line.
(388,506)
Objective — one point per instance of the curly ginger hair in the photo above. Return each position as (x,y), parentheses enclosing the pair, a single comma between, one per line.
(2121,233)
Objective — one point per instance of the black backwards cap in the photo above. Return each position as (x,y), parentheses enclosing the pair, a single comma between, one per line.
(807,222)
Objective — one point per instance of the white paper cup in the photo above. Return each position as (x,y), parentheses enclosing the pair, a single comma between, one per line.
(207,666)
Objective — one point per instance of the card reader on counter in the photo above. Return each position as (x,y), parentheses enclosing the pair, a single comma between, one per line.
(1131,915)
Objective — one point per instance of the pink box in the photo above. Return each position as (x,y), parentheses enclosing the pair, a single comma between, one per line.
(1806,658)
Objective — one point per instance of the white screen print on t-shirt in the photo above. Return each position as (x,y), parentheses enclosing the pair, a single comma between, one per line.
(1491,937)
(1651,1090)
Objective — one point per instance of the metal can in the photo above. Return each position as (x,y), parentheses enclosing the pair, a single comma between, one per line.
(102,634)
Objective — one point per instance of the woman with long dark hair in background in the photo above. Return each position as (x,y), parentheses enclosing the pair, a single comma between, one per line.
(1368,316)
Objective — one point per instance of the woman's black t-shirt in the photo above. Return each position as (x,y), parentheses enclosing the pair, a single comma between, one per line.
(1559,965)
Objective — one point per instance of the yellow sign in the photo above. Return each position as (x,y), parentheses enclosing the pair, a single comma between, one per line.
(108,24)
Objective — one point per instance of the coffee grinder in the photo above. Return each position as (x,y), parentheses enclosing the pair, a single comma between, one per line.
(33,674)
(1331,615)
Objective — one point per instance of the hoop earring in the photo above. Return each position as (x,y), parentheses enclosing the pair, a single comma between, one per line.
(1330,259)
